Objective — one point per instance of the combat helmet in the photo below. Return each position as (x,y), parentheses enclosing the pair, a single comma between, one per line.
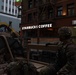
(65,32)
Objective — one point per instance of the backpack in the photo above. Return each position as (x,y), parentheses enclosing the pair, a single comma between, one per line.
(21,68)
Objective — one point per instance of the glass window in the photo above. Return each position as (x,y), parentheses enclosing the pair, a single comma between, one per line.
(9,9)
(59,11)
(15,11)
(10,2)
(29,32)
(6,8)
(13,3)
(2,7)
(12,10)
(6,1)
(70,9)
(30,4)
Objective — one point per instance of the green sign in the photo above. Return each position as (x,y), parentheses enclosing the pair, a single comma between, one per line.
(18,0)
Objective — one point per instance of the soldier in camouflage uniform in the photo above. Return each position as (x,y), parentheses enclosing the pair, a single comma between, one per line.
(3,63)
(14,67)
(66,56)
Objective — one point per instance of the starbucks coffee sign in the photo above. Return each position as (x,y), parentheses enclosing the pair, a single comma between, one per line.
(37,26)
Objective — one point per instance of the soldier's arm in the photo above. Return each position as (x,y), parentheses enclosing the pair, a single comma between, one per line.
(71,63)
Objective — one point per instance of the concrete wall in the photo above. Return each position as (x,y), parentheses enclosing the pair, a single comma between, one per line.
(1,4)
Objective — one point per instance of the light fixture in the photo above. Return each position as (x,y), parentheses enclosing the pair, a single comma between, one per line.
(18,0)
(64,13)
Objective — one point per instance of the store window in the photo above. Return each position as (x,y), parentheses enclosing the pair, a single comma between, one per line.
(70,9)
(30,4)
(59,11)
(30,33)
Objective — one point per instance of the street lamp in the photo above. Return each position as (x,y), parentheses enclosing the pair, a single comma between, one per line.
(18,0)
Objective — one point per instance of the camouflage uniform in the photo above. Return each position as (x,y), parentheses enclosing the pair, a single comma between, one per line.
(66,61)
(21,68)
(66,56)
(3,63)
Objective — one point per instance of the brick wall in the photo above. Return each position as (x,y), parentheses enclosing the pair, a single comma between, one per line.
(44,40)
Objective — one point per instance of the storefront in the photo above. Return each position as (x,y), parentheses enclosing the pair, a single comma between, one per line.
(43,30)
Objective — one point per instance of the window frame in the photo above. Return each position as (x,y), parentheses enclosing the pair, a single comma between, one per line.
(50,13)
(30,4)
(59,11)
(70,9)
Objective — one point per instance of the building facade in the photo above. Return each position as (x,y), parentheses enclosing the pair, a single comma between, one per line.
(42,18)
(9,13)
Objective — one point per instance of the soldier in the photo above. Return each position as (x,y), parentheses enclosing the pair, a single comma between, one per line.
(3,63)
(66,55)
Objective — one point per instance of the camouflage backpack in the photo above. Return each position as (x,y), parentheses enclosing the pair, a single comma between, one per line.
(22,68)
